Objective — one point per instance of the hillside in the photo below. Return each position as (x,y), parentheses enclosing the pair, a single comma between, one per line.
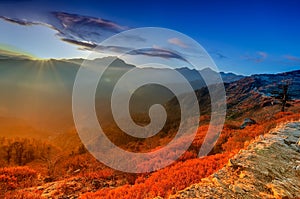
(267,168)
(248,94)
(14,127)
(270,82)
(38,136)
(77,174)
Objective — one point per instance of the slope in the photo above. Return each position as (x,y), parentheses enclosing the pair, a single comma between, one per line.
(268,168)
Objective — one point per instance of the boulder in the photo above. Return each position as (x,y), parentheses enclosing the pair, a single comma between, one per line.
(247,122)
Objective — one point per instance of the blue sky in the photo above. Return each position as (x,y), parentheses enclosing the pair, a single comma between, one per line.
(244,37)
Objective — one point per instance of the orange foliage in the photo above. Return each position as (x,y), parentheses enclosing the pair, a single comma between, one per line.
(167,180)
(16,177)
(188,169)
(102,174)
(186,172)
(21,194)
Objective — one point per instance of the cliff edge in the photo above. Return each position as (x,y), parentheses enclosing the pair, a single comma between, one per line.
(268,168)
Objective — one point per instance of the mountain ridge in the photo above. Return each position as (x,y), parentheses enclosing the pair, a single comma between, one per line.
(227,76)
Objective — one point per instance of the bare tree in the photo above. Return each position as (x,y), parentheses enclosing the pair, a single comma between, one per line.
(19,150)
(282,93)
(8,153)
(52,157)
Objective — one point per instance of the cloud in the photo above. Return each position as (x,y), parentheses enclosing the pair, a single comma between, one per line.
(88,32)
(19,21)
(155,51)
(73,21)
(84,28)
(292,58)
(134,38)
(218,54)
(177,42)
(158,52)
(75,27)
(257,58)
(263,55)
(83,44)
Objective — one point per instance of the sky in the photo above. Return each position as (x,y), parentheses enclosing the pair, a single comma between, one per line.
(244,37)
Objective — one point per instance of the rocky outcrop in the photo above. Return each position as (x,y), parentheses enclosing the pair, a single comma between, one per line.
(247,122)
(268,168)
(72,188)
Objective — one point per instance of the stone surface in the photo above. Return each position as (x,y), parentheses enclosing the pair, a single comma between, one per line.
(268,168)
(247,122)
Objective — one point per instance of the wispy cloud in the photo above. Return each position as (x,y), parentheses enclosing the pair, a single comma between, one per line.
(83,45)
(259,57)
(263,55)
(155,51)
(177,42)
(76,24)
(84,29)
(19,21)
(75,27)
(292,58)
(88,32)
(218,54)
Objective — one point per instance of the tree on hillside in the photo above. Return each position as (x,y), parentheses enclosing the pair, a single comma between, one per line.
(52,156)
(282,93)
(8,153)
(19,150)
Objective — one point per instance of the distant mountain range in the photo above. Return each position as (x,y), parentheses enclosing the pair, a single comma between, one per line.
(248,94)
(41,90)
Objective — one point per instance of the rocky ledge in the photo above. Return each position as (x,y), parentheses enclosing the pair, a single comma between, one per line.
(268,168)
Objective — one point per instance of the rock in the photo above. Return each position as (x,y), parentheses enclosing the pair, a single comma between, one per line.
(296,134)
(259,174)
(247,122)
(48,179)
(295,147)
(230,163)
(297,168)
(291,140)
(237,189)
(242,175)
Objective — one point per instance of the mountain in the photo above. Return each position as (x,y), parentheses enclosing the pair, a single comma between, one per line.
(268,168)
(271,82)
(7,54)
(251,93)
(39,92)
(197,81)
(14,127)
(247,94)
(38,99)
(230,77)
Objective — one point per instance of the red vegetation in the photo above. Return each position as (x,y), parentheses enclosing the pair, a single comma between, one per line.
(16,177)
(167,180)
(51,164)
(23,194)
(184,173)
